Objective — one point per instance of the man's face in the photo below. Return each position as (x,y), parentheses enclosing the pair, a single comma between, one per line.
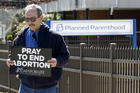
(33,20)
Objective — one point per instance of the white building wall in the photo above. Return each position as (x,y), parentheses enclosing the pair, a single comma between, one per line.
(69,5)
(129,4)
(105,4)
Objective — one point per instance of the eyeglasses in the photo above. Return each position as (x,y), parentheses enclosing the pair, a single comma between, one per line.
(32,19)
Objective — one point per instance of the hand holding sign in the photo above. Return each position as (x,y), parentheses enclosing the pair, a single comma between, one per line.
(9,62)
(52,62)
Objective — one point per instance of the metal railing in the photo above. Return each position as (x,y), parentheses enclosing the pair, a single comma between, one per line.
(102,70)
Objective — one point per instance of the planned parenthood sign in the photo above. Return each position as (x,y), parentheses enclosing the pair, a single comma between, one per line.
(93,27)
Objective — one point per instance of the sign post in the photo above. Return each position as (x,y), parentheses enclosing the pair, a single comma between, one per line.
(134,34)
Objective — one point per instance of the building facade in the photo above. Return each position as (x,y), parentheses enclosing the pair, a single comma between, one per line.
(89,9)
(97,9)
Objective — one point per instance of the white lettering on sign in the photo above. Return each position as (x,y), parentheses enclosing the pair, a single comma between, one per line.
(31,51)
(31,57)
(31,64)
(36,57)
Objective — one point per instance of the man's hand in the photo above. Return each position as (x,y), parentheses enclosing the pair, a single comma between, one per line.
(52,62)
(9,62)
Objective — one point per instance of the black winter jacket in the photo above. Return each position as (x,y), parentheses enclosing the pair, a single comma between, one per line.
(46,39)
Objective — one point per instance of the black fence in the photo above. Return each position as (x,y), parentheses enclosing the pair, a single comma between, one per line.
(8,83)
(102,70)
(91,69)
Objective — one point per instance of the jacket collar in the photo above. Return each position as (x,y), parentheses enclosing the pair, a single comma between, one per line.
(44,27)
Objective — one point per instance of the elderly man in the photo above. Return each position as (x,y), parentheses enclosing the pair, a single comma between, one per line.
(38,35)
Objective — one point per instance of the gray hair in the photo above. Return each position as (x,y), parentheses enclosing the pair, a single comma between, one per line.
(34,6)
